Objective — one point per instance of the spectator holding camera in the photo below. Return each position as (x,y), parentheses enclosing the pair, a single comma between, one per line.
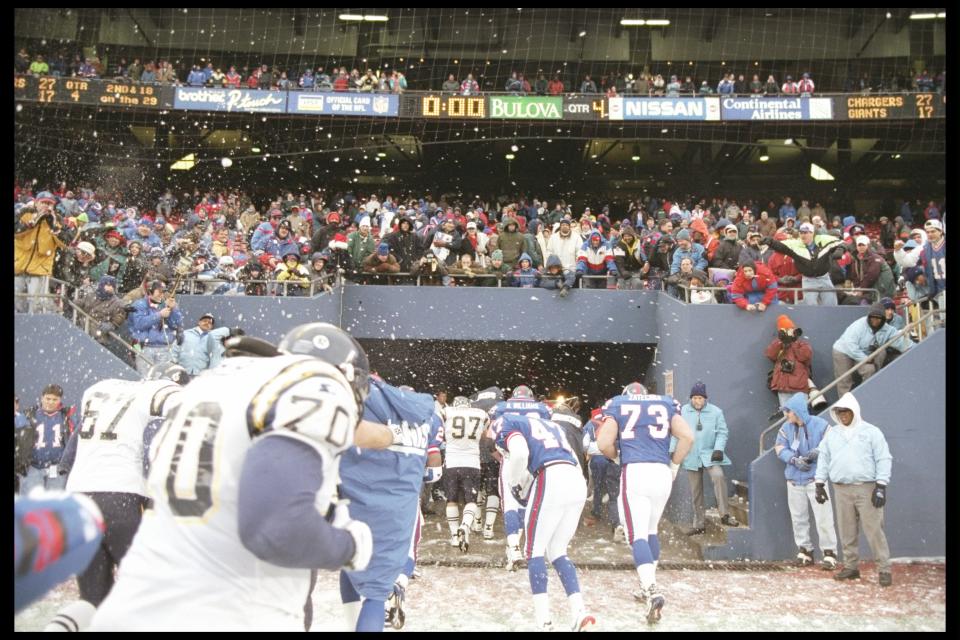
(797,445)
(792,360)
(39,235)
(863,337)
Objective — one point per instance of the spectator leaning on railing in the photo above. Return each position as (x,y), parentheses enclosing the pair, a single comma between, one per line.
(860,339)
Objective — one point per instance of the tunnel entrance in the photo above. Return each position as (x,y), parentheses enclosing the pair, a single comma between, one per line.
(590,370)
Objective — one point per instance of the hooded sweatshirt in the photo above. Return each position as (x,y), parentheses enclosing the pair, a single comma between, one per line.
(858,453)
(525,278)
(794,440)
(596,261)
(859,338)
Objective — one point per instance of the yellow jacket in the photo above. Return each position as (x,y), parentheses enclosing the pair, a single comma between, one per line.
(34,246)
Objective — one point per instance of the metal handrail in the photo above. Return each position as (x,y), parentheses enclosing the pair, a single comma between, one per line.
(881,349)
(686,288)
(87,319)
(189,284)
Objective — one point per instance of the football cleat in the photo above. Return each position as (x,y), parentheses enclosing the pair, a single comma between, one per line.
(640,596)
(488,532)
(618,533)
(463,539)
(514,558)
(395,615)
(547,626)
(585,622)
(655,602)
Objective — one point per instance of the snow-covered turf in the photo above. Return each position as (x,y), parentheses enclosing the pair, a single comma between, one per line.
(489,599)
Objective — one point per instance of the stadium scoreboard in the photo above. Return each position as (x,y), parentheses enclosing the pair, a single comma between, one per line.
(50,89)
(487,107)
(905,106)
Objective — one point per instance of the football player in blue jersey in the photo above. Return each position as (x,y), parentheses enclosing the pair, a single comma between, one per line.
(521,403)
(542,471)
(383,487)
(636,430)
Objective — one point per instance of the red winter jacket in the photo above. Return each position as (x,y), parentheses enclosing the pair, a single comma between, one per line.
(762,282)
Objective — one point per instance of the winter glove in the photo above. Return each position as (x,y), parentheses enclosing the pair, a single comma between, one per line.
(812,456)
(105,327)
(237,331)
(717,456)
(800,463)
(879,497)
(359,531)
(821,495)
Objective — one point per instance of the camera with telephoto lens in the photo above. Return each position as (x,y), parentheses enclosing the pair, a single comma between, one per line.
(787,366)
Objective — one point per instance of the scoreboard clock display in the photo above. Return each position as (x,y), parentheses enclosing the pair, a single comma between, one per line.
(50,89)
(432,106)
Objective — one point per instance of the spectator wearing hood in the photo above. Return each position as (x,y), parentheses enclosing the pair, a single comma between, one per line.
(860,339)
(727,253)
(525,276)
(710,433)
(596,259)
(797,446)
(755,287)
(784,268)
(253,275)
(565,244)
(699,234)
(510,240)
(855,458)
(282,243)
(108,312)
(631,261)
(686,248)
(792,361)
(698,294)
(295,277)
(405,244)
(361,244)
(556,277)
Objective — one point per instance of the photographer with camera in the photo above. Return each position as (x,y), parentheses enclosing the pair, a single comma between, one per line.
(156,324)
(792,361)
(39,235)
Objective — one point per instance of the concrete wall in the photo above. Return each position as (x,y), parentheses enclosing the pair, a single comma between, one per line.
(50,349)
(905,400)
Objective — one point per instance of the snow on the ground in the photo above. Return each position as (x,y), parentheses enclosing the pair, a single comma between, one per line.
(491,599)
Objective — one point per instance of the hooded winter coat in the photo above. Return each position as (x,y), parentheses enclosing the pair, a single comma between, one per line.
(858,339)
(595,261)
(799,440)
(761,288)
(858,453)
(797,351)
(525,278)
(405,245)
(511,241)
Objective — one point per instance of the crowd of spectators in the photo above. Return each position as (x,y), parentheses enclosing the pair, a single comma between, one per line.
(716,251)
(386,80)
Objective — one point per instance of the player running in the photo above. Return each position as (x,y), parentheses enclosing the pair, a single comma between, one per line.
(636,429)
(463,427)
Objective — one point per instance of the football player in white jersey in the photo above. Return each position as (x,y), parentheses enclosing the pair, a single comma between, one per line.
(463,426)
(105,461)
(243,476)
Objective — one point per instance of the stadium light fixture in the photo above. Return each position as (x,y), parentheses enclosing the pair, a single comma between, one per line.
(185,163)
(514,148)
(510,156)
(630,22)
(764,157)
(635,158)
(788,141)
(375,18)
(226,162)
(381,155)
(658,23)
(255,149)
(350,17)
(583,33)
(942,15)
(923,16)
(819,173)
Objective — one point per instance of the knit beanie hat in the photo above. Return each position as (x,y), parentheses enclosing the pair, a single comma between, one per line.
(497,255)
(784,322)
(683,235)
(699,389)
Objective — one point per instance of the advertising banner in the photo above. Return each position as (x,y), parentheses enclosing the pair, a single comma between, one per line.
(758,108)
(664,108)
(526,107)
(230,100)
(344,104)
